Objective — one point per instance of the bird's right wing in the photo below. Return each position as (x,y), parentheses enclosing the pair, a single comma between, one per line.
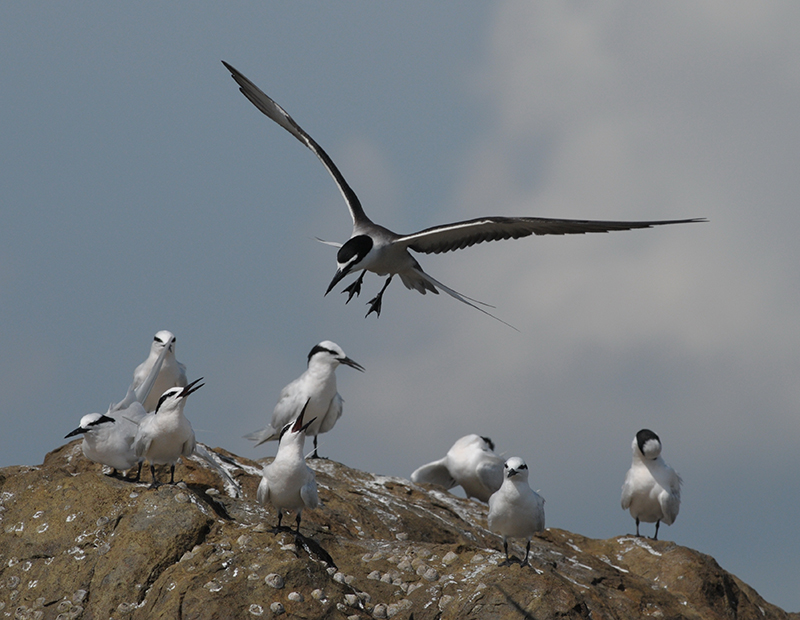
(627,490)
(308,493)
(460,235)
(434,473)
(271,109)
(490,475)
(332,415)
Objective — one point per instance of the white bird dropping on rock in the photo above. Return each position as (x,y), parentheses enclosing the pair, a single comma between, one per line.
(652,489)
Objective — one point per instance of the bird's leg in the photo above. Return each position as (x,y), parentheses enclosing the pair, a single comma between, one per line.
(314,454)
(638,535)
(355,288)
(505,548)
(299,512)
(375,303)
(172,474)
(527,551)
(280,516)
(153,473)
(655,536)
(139,472)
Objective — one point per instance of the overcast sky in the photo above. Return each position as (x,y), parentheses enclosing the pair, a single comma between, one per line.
(142,192)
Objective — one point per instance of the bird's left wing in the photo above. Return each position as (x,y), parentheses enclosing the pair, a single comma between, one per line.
(434,473)
(460,235)
(271,109)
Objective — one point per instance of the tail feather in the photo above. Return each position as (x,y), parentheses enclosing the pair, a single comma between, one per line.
(265,434)
(433,282)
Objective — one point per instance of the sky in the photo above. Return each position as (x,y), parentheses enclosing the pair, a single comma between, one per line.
(141,191)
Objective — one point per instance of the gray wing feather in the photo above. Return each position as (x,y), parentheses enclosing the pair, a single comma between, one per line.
(460,235)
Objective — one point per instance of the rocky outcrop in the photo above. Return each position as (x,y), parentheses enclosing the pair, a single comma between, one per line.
(79,544)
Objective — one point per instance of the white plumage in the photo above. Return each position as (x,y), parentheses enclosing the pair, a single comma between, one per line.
(108,438)
(172,373)
(166,434)
(652,489)
(288,483)
(515,510)
(470,463)
(316,390)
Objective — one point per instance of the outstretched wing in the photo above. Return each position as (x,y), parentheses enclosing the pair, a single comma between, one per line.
(460,235)
(264,103)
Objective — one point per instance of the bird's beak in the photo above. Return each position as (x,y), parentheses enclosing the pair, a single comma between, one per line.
(191,388)
(340,273)
(512,473)
(298,425)
(77,431)
(353,364)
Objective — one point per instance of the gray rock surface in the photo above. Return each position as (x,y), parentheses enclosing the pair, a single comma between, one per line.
(79,544)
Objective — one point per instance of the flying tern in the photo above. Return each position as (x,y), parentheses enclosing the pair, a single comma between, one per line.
(165,435)
(471,463)
(172,374)
(287,482)
(373,247)
(108,437)
(652,489)
(314,389)
(516,510)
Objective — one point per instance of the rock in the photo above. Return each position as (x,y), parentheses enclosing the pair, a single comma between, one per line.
(82,544)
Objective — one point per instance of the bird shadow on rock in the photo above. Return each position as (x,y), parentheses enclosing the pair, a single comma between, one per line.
(312,547)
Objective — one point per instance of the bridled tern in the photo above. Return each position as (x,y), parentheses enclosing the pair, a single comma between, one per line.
(372,247)
(165,435)
(173,373)
(470,463)
(516,510)
(652,489)
(287,482)
(314,389)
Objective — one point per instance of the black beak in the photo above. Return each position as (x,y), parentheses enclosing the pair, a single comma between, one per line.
(191,388)
(511,473)
(298,425)
(353,364)
(77,431)
(340,273)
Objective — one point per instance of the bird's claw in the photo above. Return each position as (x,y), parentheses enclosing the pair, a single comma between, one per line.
(374,306)
(353,290)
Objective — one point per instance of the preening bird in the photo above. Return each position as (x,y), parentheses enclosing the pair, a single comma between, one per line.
(108,437)
(471,463)
(372,247)
(515,510)
(288,483)
(166,434)
(172,374)
(314,389)
(652,489)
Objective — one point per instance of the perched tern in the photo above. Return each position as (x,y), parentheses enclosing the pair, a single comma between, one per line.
(515,510)
(108,437)
(652,489)
(172,374)
(372,247)
(471,463)
(287,482)
(314,389)
(165,435)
